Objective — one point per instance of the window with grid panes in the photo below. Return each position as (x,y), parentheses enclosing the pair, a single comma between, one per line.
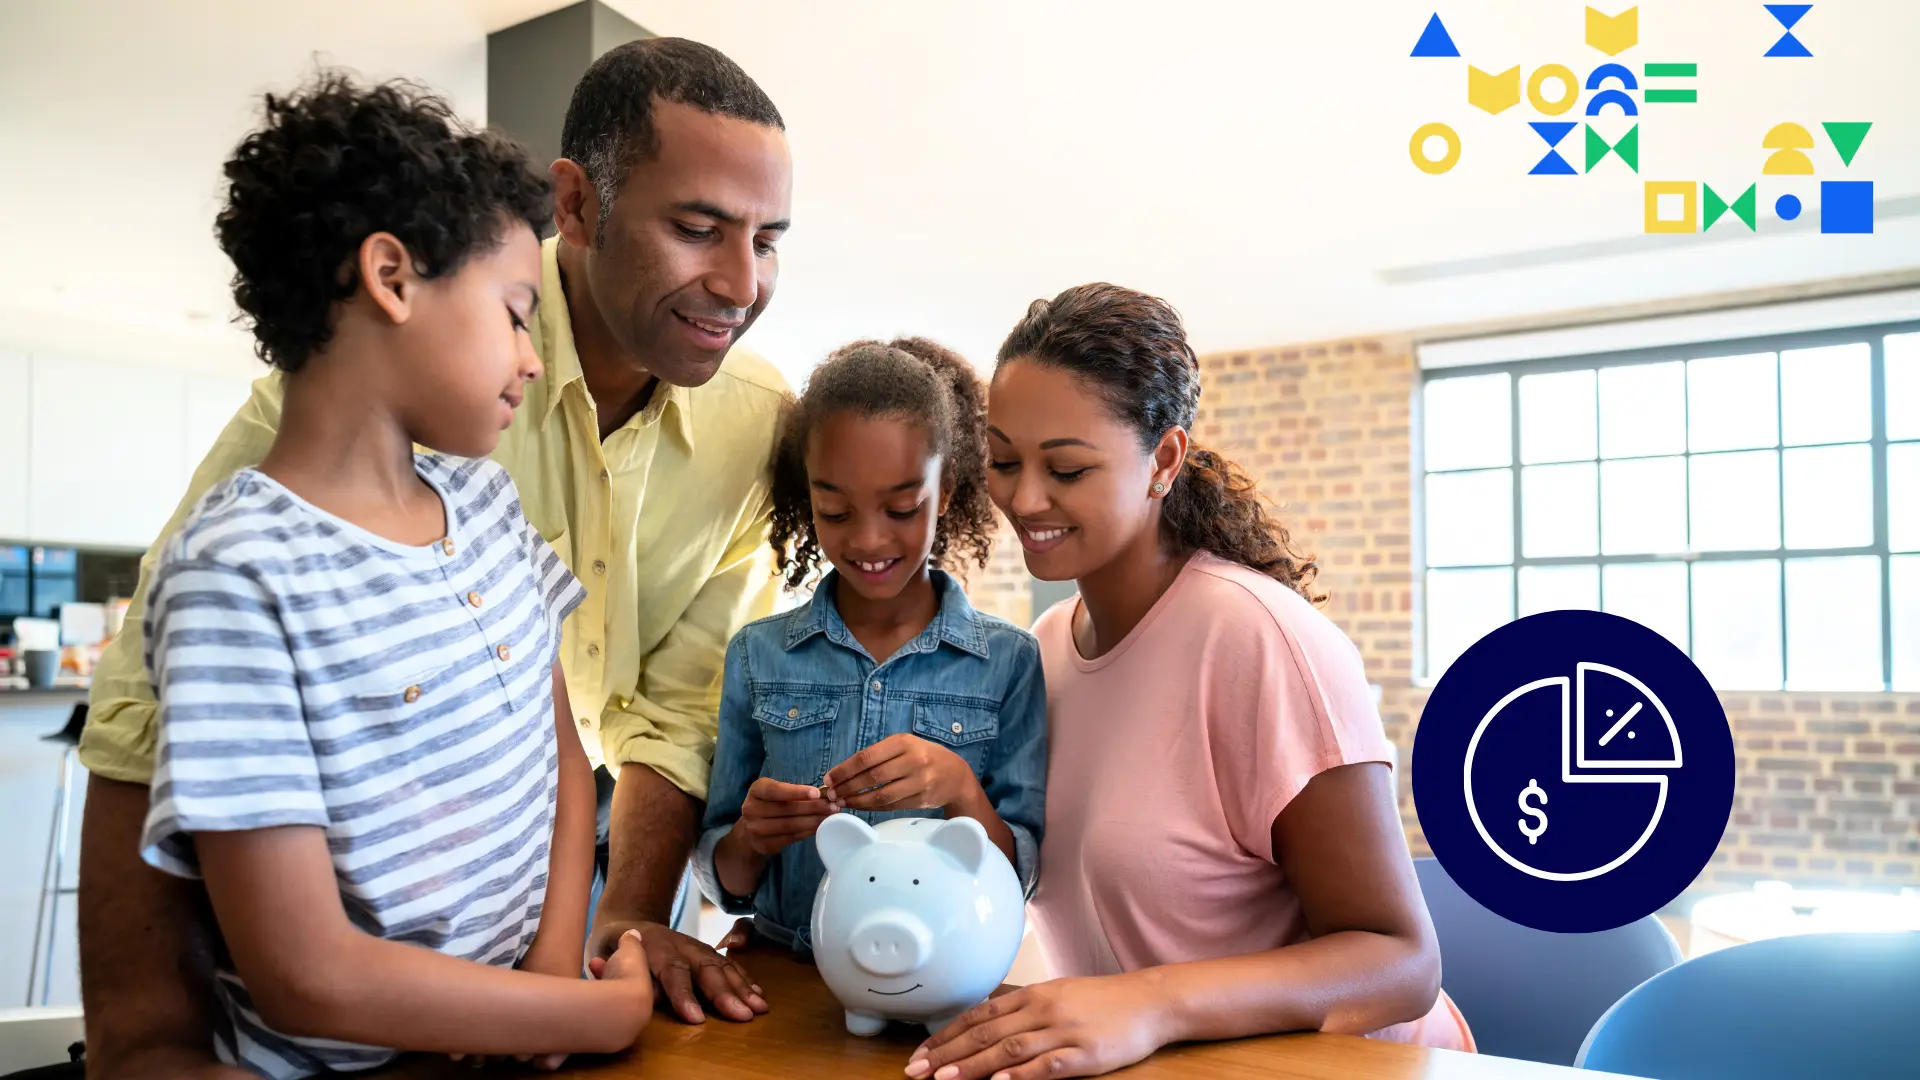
(1757,502)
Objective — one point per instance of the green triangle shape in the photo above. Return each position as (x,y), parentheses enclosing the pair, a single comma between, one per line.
(1596,148)
(1628,148)
(1744,205)
(1711,207)
(1847,138)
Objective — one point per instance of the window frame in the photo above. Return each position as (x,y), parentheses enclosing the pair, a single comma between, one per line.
(1874,335)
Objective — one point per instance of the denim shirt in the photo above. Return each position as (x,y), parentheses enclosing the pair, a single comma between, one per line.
(801,695)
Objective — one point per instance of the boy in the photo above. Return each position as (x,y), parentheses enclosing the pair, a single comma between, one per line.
(353,644)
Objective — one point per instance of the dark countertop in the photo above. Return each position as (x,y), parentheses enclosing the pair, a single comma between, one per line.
(43,695)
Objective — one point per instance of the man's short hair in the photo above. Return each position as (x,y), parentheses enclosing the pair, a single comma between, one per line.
(609,127)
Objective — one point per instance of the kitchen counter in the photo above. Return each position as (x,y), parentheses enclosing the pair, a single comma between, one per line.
(43,695)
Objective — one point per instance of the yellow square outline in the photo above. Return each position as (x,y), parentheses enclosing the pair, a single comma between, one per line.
(1689,221)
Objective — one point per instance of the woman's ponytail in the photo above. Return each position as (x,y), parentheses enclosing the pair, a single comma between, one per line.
(1215,506)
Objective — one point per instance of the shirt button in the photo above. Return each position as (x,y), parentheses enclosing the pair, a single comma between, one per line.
(793,714)
(473,598)
(413,694)
(593,650)
(599,566)
(446,547)
(585,723)
(605,476)
(502,652)
(958,727)
(876,686)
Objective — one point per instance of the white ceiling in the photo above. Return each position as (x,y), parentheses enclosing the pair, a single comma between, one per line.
(1247,160)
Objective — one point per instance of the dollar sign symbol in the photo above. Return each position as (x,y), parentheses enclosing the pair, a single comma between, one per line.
(1534,832)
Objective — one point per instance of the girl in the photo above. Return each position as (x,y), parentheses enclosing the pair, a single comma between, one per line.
(886,694)
(354,644)
(1224,849)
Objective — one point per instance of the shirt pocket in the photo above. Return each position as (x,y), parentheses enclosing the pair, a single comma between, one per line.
(402,689)
(797,731)
(965,728)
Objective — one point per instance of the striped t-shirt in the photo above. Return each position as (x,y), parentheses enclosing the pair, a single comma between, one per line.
(312,673)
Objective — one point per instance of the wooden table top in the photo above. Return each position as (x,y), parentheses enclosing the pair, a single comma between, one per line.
(804,1034)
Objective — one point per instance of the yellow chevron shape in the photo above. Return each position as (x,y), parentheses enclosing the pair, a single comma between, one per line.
(1494,93)
(1613,34)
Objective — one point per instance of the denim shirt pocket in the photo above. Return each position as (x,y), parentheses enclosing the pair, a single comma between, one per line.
(797,730)
(967,727)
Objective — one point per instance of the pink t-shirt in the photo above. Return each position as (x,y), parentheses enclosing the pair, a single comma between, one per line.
(1171,755)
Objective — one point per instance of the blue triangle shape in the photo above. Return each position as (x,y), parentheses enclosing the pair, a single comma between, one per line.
(1553,165)
(1552,130)
(1788,14)
(1788,45)
(1434,40)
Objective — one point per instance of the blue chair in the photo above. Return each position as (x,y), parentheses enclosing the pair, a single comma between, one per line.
(1530,993)
(1814,1005)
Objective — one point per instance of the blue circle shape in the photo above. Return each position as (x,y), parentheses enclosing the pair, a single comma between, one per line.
(1787,207)
(1573,771)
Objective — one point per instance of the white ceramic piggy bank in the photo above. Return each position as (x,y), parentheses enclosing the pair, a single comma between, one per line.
(917,919)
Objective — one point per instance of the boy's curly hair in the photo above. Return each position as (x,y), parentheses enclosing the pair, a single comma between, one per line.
(909,377)
(334,163)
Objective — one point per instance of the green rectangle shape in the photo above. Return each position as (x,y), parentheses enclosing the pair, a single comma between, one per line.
(1655,97)
(1656,71)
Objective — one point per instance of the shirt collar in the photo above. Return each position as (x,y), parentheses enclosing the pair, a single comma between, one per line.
(956,623)
(554,342)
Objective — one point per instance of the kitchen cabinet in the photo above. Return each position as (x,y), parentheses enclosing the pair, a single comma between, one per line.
(211,401)
(15,376)
(108,442)
(104,449)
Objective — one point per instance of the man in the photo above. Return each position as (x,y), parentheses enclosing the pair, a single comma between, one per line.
(640,459)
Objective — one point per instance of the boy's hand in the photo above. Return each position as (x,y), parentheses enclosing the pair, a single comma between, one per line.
(629,961)
(777,814)
(539,963)
(627,965)
(901,772)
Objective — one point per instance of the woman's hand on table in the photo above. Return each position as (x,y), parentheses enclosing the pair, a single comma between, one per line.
(1065,1027)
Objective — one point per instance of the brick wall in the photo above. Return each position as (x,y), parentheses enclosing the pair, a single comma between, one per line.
(1828,784)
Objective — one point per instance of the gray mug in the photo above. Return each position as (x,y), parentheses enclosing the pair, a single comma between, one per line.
(43,665)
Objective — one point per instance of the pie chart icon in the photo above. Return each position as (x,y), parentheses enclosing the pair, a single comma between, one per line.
(1602,749)
(1573,771)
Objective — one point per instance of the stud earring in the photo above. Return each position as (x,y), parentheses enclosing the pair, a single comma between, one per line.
(1159,487)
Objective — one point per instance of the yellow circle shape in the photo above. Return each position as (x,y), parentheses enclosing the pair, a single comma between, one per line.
(1417,148)
(1540,76)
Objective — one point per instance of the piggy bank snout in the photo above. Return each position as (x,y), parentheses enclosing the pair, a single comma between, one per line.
(891,943)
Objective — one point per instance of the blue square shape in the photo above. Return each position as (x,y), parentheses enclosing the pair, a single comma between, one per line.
(1846,206)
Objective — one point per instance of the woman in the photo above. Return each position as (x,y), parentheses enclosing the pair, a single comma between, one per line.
(1223,852)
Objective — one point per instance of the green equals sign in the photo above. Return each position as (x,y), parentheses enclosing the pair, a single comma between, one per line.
(1671,71)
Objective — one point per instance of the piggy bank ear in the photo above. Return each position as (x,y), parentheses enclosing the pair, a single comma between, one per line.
(840,836)
(966,840)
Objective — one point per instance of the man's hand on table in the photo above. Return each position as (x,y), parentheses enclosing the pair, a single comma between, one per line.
(685,969)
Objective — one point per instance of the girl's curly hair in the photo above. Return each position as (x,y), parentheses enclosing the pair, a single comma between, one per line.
(908,377)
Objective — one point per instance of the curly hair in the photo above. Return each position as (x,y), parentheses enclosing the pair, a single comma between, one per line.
(907,377)
(334,163)
(1132,349)
(609,124)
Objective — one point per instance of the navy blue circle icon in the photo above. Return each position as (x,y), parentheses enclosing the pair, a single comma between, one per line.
(1573,771)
